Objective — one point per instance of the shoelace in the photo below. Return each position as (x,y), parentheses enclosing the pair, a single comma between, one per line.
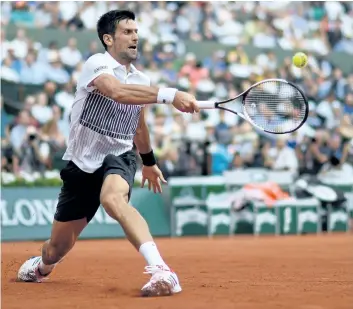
(152,269)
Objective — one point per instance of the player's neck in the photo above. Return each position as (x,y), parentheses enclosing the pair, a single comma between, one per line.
(123,62)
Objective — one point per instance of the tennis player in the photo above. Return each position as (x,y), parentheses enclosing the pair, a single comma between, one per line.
(107,118)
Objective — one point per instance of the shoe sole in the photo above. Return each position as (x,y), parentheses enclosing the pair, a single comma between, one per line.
(160,288)
(28,281)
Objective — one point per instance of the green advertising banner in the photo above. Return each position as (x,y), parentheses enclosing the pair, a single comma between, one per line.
(216,216)
(27,214)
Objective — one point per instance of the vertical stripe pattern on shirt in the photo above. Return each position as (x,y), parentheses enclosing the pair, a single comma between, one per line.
(107,117)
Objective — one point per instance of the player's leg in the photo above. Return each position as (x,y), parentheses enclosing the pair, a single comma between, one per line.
(114,198)
(115,193)
(78,202)
(63,238)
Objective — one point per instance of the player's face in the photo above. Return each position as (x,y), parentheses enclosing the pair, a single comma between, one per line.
(126,40)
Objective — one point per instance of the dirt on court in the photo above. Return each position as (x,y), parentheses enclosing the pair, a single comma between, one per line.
(306,272)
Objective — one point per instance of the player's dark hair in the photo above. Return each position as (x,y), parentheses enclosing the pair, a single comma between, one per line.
(107,23)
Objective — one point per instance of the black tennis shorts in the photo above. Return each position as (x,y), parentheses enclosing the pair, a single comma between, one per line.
(80,194)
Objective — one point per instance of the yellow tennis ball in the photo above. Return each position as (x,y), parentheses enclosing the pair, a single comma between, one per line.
(300,60)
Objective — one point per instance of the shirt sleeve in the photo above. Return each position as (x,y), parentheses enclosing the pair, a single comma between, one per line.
(93,67)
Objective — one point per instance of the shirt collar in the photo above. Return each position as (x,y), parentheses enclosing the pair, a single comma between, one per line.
(115,64)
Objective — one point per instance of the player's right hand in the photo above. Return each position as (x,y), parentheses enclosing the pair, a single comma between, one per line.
(185,102)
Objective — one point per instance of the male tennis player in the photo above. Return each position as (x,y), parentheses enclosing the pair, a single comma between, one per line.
(107,117)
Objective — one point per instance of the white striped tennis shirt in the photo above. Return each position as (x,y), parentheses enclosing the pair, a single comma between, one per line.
(99,125)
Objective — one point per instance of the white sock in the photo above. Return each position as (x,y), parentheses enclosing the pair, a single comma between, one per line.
(151,254)
(45,269)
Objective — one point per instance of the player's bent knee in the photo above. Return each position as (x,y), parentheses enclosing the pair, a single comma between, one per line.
(114,204)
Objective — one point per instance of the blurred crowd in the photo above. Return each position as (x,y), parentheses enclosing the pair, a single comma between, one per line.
(313,26)
(34,131)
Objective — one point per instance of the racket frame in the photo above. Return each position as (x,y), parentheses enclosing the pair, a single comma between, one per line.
(213,105)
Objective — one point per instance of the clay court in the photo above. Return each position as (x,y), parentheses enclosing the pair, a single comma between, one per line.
(307,272)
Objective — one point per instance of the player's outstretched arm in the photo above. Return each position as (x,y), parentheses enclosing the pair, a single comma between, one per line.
(108,85)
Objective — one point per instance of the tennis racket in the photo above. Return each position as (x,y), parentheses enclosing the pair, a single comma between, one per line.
(272,105)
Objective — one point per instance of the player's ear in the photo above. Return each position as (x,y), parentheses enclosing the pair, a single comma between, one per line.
(108,40)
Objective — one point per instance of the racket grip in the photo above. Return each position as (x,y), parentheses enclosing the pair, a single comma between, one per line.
(206,104)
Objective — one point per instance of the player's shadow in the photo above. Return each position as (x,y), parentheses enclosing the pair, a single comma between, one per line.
(133,293)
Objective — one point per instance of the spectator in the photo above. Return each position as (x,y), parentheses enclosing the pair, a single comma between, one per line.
(51,132)
(175,163)
(339,83)
(19,131)
(20,44)
(212,141)
(336,149)
(45,53)
(77,72)
(314,120)
(6,120)
(7,72)
(9,158)
(196,129)
(90,12)
(50,89)
(64,98)
(43,14)
(349,86)
(32,72)
(221,158)
(70,56)
(281,157)
(330,110)
(348,105)
(169,74)
(34,153)
(92,49)
(5,45)
(40,110)
(347,152)
(29,102)
(154,73)
(194,71)
(179,126)
(314,152)
(68,10)
(56,72)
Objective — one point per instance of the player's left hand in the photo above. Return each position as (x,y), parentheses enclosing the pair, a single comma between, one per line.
(154,177)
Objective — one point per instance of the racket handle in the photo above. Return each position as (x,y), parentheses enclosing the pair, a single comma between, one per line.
(206,104)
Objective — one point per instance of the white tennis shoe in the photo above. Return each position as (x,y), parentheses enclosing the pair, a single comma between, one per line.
(29,271)
(163,282)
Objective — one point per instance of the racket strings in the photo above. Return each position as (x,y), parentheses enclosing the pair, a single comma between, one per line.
(275,106)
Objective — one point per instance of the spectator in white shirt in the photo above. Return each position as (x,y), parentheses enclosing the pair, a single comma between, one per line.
(65,99)
(70,56)
(7,72)
(5,45)
(40,110)
(68,9)
(19,131)
(20,44)
(330,110)
(44,52)
(281,157)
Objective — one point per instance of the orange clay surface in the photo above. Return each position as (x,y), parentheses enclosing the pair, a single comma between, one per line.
(305,272)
